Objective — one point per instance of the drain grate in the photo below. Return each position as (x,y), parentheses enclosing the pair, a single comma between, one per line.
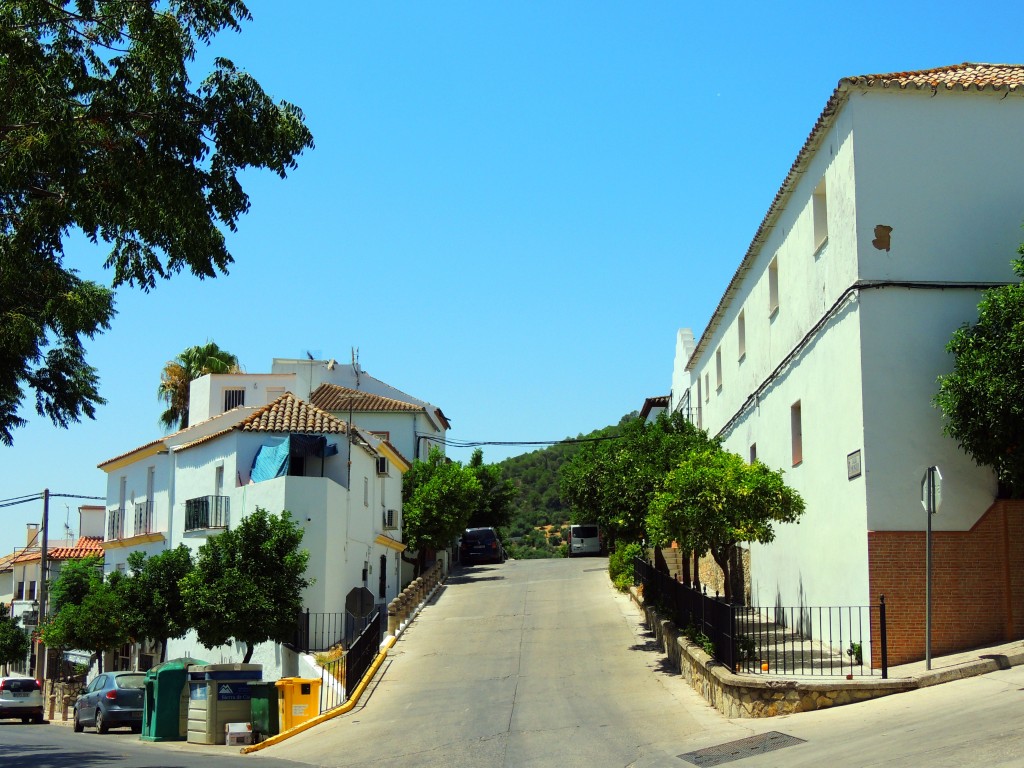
(737,750)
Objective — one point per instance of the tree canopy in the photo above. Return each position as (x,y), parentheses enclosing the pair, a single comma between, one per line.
(178,374)
(151,592)
(14,642)
(612,482)
(982,399)
(102,132)
(438,498)
(494,503)
(247,583)
(713,500)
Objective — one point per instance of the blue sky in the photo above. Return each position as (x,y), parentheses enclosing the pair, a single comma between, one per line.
(510,210)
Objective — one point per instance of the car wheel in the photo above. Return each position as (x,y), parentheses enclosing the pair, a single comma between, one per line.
(102,726)
(26,720)
(38,719)
(137,728)
(78,727)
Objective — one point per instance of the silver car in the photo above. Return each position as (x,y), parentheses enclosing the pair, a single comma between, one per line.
(21,697)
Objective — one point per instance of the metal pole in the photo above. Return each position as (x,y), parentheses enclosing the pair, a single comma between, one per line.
(928,571)
(43,563)
(885,644)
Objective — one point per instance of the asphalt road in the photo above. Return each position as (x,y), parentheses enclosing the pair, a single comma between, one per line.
(527,663)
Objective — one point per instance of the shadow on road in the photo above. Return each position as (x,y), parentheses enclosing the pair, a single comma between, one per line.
(468,578)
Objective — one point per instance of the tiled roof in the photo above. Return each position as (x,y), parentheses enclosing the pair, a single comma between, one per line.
(956,78)
(334,397)
(290,414)
(126,454)
(86,546)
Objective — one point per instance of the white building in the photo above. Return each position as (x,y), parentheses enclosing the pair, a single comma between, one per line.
(905,202)
(285,455)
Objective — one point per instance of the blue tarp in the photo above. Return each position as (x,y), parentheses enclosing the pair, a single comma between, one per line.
(271,461)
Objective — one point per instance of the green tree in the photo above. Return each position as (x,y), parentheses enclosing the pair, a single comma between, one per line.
(497,494)
(612,482)
(14,641)
(87,612)
(982,399)
(102,132)
(151,591)
(438,497)
(247,583)
(179,373)
(713,500)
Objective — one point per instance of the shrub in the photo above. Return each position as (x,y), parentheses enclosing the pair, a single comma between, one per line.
(620,564)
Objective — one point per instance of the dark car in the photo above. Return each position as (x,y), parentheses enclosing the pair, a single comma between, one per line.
(481,545)
(112,700)
(21,697)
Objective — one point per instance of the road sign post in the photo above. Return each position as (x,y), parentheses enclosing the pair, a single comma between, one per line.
(931,498)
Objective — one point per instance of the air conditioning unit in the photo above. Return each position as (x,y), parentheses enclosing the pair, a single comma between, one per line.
(390,516)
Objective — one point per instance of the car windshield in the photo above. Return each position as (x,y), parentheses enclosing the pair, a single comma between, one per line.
(584,531)
(20,685)
(131,681)
(484,536)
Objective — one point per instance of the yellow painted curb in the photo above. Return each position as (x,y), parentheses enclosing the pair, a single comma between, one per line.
(343,709)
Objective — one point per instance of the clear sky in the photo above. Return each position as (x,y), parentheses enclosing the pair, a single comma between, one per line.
(510,210)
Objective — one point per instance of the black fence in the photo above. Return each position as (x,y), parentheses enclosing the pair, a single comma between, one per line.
(316,632)
(823,640)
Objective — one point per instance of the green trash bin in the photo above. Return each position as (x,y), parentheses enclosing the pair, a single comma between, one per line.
(165,706)
(266,720)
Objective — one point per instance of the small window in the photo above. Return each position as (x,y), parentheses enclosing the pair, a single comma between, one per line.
(718,369)
(741,332)
(19,594)
(366,491)
(796,427)
(773,286)
(753,452)
(820,205)
(382,465)
(389,519)
(233,398)
(31,591)
(707,387)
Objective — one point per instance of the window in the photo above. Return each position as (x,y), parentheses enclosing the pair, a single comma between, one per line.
(718,369)
(382,465)
(753,452)
(31,591)
(389,519)
(796,427)
(819,203)
(773,286)
(707,387)
(741,332)
(233,398)
(366,491)
(20,592)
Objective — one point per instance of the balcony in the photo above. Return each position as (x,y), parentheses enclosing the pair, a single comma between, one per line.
(206,512)
(143,517)
(115,524)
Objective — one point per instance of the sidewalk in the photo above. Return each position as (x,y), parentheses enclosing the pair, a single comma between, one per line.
(957,666)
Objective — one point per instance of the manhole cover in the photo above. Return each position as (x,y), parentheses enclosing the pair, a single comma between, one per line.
(737,750)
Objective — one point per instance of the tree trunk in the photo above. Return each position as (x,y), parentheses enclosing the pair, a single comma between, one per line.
(248,653)
(722,558)
(686,567)
(696,571)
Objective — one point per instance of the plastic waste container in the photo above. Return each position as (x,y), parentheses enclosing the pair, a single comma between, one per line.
(298,700)
(266,720)
(218,694)
(165,706)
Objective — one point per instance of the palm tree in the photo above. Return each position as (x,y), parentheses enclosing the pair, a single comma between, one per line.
(179,373)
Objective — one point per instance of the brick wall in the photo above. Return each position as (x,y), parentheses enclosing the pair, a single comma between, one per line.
(977,585)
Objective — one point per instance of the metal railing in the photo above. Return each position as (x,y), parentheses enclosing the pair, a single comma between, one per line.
(805,640)
(115,524)
(143,517)
(318,632)
(206,512)
(349,670)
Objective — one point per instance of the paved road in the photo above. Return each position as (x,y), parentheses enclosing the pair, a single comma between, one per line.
(528,663)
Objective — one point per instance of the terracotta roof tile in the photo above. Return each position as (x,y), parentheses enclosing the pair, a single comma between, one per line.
(290,414)
(955,78)
(334,397)
(86,546)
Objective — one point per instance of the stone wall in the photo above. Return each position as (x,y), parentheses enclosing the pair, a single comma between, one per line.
(745,696)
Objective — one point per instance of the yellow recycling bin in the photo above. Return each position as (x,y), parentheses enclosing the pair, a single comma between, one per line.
(298,700)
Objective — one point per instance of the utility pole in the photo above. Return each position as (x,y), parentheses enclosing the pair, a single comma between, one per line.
(43,552)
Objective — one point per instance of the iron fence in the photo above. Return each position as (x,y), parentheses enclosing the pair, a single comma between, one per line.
(316,632)
(206,512)
(340,676)
(143,517)
(115,524)
(805,640)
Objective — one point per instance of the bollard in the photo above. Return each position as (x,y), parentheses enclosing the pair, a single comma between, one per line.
(393,617)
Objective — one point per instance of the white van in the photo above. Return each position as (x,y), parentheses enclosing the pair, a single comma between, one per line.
(584,539)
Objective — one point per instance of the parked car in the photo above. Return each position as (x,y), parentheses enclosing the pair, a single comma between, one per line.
(21,697)
(481,545)
(584,540)
(112,700)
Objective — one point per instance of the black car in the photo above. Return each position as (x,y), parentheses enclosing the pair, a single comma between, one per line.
(481,545)
(112,700)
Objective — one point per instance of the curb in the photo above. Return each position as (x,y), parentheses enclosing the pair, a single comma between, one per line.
(345,708)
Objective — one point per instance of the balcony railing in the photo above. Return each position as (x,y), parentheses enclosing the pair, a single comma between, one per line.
(206,512)
(143,517)
(115,524)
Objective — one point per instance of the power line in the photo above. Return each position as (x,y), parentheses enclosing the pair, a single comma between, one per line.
(478,443)
(37,496)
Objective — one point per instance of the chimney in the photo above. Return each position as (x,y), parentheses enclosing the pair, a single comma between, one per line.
(31,540)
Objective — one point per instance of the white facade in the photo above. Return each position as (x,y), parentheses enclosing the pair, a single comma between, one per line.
(823,353)
(198,481)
